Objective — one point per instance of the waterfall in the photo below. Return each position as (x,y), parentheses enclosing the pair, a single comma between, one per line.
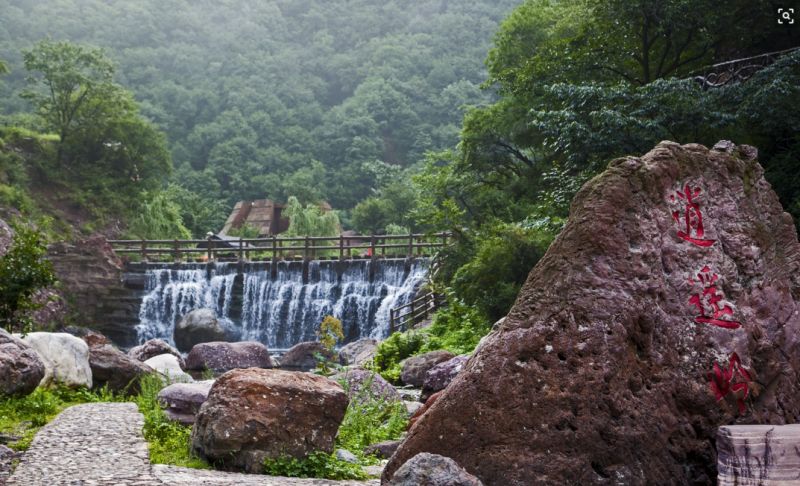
(278,306)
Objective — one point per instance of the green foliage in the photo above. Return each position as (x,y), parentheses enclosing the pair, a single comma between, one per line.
(330,332)
(23,270)
(393,350)
(158,218)
(379,85)
(310,220)
(170,442)
(370,419)
(245,231)
(457,328)
(392,207)
(317,465)
(24,416)
(502,258)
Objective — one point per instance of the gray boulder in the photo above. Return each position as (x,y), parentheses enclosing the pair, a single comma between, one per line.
(155,347)
(182,400)
(432,470)
(65,358)
(384,449)
(303,356)
(363,385)
(222,356)
(198,326)
(115,369)
(346,456)
(358,352)
(441,375)
(415,368)
(21,369)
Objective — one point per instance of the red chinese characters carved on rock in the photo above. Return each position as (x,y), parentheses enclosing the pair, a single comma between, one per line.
(691,219)
(733,380)
(710,301)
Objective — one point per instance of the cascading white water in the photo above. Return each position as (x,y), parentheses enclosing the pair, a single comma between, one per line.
(170,294)
(282,310)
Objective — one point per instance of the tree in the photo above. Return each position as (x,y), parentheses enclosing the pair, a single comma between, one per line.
(23,270)
(310,220)
(69,85)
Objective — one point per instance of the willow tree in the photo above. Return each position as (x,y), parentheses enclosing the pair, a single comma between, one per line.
(310,220)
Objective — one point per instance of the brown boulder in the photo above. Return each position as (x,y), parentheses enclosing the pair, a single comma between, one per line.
(222,356)
(21,369)
(153,348)
(604,370)
(415,368)
(115,369)
(254,414)
(358,352)
(304,356)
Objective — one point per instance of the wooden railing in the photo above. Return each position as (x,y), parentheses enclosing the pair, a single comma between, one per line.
(416,311)
(281,248)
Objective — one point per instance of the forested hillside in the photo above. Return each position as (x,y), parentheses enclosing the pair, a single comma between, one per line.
(319,99)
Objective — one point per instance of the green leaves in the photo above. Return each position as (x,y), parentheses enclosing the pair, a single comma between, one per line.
(23,271)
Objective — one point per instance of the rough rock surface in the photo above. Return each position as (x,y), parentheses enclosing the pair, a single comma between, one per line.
(93,338)
(383,449)
(7,458)
(438,377)
(424,408)
(415,368)
(602,372)
(302,356)
(21,368)
(357,381)
(222,356)
(65,358)
(6,237)
(155,347)
(115,369)
(198,326)
(432,470)
(169,366)
(756,455)
(91,284)
(254,414)
(358,352)
(182,401)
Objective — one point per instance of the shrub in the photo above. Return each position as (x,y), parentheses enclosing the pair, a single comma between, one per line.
(457,328)
(394,349)
(23,271)
(317,465)
(370,419)
(170,442)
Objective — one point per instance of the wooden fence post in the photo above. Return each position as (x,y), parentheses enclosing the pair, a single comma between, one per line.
(144,250)
(391,321)
(410,245)
(341,247)
(241,249)
(274,248)
(177,250)
(372,247)
(208,249)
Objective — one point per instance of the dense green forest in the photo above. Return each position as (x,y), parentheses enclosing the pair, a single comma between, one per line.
(482,118)
(323,100)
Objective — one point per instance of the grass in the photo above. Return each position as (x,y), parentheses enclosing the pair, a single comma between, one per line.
(23,416)
(170,442)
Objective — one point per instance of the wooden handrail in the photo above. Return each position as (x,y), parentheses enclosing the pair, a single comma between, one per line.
(420,308)
(242,249)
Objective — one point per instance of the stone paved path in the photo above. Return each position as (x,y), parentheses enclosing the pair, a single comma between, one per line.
(102,444)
